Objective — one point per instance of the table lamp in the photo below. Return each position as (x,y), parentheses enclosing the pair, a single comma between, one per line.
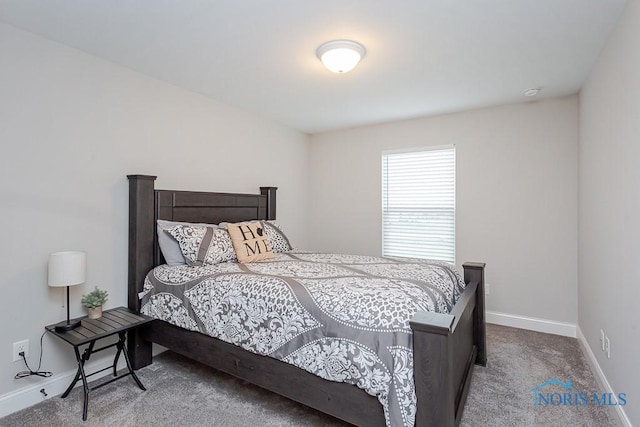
(67,269)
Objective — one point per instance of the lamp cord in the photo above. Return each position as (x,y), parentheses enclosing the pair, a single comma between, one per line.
(29,372)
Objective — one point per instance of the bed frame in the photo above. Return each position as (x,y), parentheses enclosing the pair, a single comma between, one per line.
(446,346)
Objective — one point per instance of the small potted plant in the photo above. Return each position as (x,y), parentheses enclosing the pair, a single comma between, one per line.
(93,301)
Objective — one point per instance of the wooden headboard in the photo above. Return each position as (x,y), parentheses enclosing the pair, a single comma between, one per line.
(146,205)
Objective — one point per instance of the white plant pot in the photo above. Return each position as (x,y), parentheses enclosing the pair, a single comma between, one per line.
(95,313)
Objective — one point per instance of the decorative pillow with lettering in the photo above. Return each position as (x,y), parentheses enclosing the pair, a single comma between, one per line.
(279,241)
(201,245)
(250,241)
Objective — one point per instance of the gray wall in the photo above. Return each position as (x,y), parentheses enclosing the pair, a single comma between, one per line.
(71,127)
(609,208)
(516,197)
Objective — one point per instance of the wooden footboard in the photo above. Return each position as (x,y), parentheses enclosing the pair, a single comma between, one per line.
(445,346)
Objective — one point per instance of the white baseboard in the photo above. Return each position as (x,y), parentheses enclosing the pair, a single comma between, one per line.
(56,385)
(532,324)
(618,411)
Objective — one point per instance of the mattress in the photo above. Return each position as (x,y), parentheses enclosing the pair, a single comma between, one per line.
(344,318)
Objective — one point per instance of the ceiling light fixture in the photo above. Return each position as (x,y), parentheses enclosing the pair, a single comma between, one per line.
(532,92)
(341,56)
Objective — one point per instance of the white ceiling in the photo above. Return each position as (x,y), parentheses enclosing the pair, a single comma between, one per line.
(424,57)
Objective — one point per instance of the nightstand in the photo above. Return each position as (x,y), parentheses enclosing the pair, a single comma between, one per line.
(115,321)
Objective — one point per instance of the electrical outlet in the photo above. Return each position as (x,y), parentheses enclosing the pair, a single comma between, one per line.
(487,288)
(602,339)
(607,347)
(18,347)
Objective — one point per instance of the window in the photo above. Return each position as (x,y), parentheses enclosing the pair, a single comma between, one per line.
(418,204)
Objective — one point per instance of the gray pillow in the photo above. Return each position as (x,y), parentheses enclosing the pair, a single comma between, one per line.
(169,246)
(203,244)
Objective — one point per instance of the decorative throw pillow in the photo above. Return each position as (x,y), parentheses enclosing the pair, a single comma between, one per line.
(250,241)
(168,245)
(277,238)
(203,245)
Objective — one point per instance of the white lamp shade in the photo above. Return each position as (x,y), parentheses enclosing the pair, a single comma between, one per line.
(67,268)
(341,56)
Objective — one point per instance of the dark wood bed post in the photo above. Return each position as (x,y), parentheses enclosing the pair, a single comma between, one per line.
(141,235)
(270,192)
(474,272)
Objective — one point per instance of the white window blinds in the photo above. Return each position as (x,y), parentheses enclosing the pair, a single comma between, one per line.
(418,204)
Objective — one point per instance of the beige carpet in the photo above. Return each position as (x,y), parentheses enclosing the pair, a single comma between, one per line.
(185,393)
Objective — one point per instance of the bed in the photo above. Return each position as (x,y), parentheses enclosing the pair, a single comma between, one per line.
(445,346)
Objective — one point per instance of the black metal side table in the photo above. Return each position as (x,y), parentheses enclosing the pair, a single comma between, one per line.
(115,321)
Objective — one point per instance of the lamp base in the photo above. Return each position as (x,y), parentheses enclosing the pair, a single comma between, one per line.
(68,326)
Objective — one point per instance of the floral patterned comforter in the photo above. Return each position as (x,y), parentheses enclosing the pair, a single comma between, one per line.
(344,318)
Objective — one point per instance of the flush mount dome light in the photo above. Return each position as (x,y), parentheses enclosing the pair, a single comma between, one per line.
(532,92)
(341,56)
